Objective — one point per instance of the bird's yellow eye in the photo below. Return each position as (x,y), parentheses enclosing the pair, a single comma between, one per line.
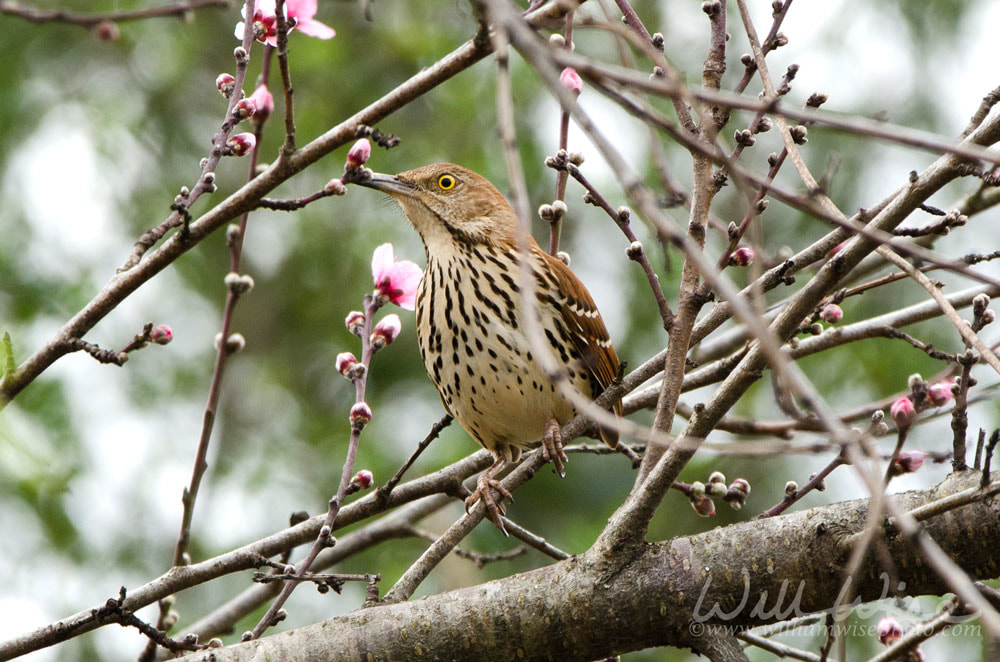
(446,182)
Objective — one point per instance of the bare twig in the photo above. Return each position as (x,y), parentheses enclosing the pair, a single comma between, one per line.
(179,9)
(288,147)
(384,491)
(779,649)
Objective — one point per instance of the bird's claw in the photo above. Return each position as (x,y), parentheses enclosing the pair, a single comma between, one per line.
(552,448)
(494,509)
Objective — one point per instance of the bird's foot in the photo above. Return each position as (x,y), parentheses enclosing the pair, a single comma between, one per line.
(552,447)
(485,485)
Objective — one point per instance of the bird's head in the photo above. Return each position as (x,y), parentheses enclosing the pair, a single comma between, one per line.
(448,203)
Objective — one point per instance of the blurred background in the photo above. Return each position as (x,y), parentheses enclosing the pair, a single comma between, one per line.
(97,137)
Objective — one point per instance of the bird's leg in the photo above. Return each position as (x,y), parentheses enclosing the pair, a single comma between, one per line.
(552,446)
(485,485)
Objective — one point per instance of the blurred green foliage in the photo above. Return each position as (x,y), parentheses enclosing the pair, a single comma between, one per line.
(94,457)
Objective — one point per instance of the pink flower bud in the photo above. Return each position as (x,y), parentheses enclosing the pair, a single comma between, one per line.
(359,154)
(836,249)
(345,362)
(363,479)
(831,313)
(742,257)
(263,101)
(244,108)
(241,144)
(888,631)
(704,506)
(107,30)
(355,322)
(903,413)
(386,331)
(909,461)
(939,393)
(161,335)
(571,80)
(225,84)
(335,187)
(361,413)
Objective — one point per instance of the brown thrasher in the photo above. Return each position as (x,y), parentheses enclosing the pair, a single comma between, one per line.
(469,321)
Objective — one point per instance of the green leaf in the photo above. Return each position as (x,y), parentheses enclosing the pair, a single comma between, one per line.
(8,348)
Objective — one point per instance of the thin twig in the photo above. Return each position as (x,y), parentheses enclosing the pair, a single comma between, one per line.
(555,226)
(481,560)
(621,218)
(815,482)
(384,491)
(36,15)
(347,486)
(960,325)
(288,147)
(779,649)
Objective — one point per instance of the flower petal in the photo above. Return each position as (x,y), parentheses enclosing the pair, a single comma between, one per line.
(315,29)
(406,278)
(266,7)
(381,262)
(301,9)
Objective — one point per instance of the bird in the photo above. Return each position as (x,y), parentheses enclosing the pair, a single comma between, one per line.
(471,322)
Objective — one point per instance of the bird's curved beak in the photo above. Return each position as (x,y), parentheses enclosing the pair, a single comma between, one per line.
(388,184)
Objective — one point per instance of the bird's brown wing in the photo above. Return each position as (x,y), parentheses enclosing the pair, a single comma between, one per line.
(586,328)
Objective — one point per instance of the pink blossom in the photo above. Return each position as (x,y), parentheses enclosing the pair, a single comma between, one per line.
(245,108)
(888,631)
(225,83)
(939,393)
(363,479)
(263,101)
(742,257)
(107,30)
(903,413)
(161,335)
(910,461)
(395,281)
(359,153)
(361,413)
(345,362)
(571,80)
(300,15)
(335,187)
(704,506)
(831,313)
(355,322)
(241,144)
(386,331)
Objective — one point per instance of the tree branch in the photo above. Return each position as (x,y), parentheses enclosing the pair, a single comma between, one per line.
(658,596)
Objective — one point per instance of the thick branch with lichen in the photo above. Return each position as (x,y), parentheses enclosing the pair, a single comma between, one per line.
(594,606)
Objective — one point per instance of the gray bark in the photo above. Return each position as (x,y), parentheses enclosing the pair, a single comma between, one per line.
(668,593)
